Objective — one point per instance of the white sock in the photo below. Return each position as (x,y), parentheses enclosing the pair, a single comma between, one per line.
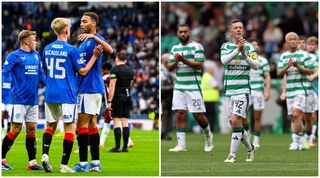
(104,133)
(314,128)
(256,140)
(207,131)
(306,137)
(34,161)
(235,141)
(295,138)
(301,141)
(83,163)
(246,140)
(95,161)
(181,137)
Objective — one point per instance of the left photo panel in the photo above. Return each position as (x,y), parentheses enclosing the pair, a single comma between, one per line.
(80,89)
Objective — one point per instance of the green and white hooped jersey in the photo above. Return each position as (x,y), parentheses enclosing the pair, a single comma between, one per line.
(314,61)
(188,79)
(236,74)
(297,83)
(257,76)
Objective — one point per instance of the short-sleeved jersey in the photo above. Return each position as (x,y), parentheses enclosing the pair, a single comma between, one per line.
(92,82)
(188,79)
(314,59)
(236,74)
(124,75)
(62,61)
(25,68)
(257,76)
(296,81)
(6,89)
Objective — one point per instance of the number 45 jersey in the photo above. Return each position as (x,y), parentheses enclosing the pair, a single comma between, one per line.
(61,63)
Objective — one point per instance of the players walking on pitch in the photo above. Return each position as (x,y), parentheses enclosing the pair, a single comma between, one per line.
(239,57)
(187,58)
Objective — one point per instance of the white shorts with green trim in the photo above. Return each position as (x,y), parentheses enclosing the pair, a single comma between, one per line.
(237,105)
(191,101)
(257,100)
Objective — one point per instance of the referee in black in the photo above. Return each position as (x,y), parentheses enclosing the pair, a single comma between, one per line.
(119,102)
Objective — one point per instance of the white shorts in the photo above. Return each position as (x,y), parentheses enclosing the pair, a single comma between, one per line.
(68,112)
(190,101)
(311,102)
(316,105)
(26,113)
(237,105)
(89,103)
(298,102)
(257,100)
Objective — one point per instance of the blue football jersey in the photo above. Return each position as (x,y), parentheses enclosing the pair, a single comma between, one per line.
(92,82)
(62,61)
(26,69)
(6,89)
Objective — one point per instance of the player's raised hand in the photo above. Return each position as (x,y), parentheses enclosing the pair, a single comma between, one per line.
(241,43)
(178,57)
(97,50)
(85,36)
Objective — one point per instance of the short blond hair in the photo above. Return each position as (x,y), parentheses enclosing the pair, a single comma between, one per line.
(291,34)
(58,24)
(25,34)
(312,39)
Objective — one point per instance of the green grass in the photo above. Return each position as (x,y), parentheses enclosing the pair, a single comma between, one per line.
(272,159)
(141,160)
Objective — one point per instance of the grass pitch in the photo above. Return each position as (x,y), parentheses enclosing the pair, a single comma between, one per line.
(272,159)
(141,160)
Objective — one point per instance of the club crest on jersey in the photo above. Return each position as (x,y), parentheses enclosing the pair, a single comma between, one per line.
(18,116)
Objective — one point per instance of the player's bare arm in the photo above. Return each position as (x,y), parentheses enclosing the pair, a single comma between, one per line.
(268,86)
(194,64)
(96,53)
(172,66)
(302,69)
(106,47)
(281,72)
(112,87)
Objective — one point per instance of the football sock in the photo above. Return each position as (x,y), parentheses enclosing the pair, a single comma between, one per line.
(104,133)
(94,143)
(296,138)
(117,136)
(125,133)
(246,140)
(207,131)
(67,147)
(31,146)
(181,136)
(7,143)
(256,140)
(46,140)
(235,139)
(83,142)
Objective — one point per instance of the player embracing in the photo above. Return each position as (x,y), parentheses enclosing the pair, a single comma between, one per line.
(296,64)
(238,57)
(91,90)
(62,62)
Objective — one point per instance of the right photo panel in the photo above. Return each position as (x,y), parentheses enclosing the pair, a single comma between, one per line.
(239,88)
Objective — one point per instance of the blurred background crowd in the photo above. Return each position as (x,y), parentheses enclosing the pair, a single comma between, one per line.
(127,26)
(266,21)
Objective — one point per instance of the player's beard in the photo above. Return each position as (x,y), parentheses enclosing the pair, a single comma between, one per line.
(184,40)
